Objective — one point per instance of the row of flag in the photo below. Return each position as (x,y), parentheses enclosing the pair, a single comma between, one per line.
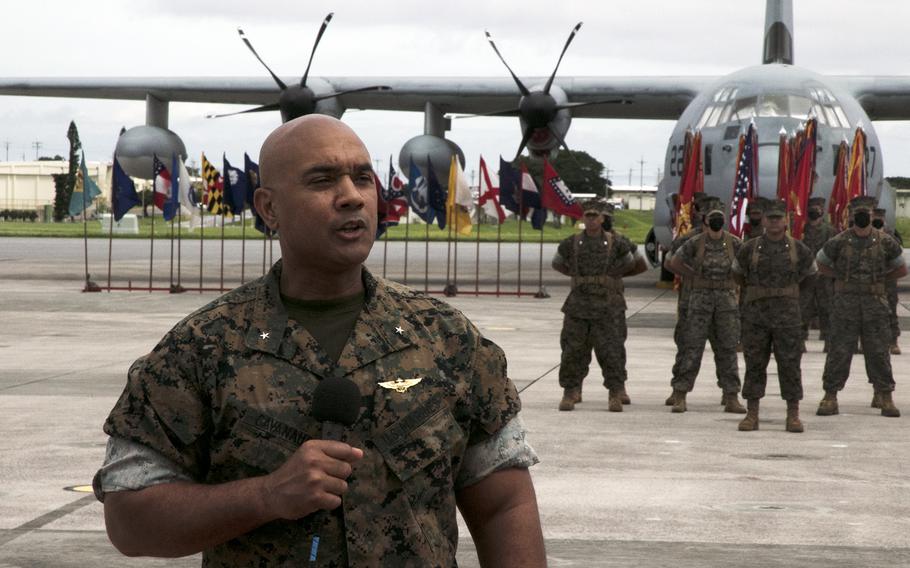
(451,206)
(795,178)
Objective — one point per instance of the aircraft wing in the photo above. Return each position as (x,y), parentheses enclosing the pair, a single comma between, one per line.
(882,97)
(648,97)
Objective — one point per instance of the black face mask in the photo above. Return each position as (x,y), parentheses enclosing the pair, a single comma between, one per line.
(716,223)
(861,219)
(607,224)
(815,214)
(755,221)
(878,223)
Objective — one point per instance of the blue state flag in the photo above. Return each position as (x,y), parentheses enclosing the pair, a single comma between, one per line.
(84,191)
(235,184)
(123,192)
(509,187)
(436,195)
(418,194)
(252,184)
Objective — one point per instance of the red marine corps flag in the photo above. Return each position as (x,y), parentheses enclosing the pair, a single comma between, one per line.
(556,195)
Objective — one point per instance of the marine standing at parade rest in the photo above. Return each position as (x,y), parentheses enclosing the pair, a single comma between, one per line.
(878,221)
(771,267)
(707,260)
(597,259)
(861,260)
(221,442)
(725,381)
(754,212)
(815,290)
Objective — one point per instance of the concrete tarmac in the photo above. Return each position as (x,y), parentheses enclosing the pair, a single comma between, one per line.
(639,488)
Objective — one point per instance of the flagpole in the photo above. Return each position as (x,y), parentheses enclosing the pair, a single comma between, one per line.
(477,256)
(385,250)
(455,259)
(265,239)
(221,282)
(448,288)
(89,285)
(242,245)
(179,246)
(520,220)
(152,245)
(201,243)
(541,291)
(172,252)
(110,243)
(498,254)
(426,261)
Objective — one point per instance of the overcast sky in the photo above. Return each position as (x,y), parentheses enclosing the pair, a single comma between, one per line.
(412,37)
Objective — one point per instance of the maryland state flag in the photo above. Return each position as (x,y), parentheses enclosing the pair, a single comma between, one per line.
(213,194)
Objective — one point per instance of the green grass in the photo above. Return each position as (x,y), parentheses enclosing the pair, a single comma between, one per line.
(633,224)
(903,227)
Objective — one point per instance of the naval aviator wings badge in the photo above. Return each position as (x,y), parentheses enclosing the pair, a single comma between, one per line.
(399,384)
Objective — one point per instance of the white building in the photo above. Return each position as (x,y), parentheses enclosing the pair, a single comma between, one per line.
(635,197)
(30,185)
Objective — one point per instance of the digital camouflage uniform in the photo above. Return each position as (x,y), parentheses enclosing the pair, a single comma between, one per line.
(772,271)
(595,309)
(859,309)
(815,291)
(712,309)
(891,285)
(226,395)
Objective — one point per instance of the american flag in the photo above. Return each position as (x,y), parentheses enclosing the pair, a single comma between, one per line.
(746,186)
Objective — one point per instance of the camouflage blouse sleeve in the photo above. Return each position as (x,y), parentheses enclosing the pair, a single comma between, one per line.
(893,252)
(563,253)
(742,260)
(827,255)
(805,265)
(162,406)
(494,400)
(686,252)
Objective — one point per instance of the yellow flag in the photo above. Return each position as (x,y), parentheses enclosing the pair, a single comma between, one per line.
(459,199)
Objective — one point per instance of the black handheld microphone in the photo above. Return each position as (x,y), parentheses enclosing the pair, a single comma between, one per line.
(336,403)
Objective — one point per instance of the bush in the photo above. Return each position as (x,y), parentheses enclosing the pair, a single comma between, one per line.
(19,215)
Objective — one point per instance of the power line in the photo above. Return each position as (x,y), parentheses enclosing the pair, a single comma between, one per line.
(37,144)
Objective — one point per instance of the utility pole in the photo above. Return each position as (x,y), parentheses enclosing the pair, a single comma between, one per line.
(630,177)
(37,146)
(6,143)
(378,162)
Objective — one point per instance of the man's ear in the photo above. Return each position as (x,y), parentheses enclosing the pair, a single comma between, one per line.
(265,206)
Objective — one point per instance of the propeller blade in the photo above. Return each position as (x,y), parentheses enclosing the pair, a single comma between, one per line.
(325,24)
(546,88)
(250,46)
(263,108)
(524,90)
(562,143)
(509,112)
(379,88)
(524,141)
(609,102)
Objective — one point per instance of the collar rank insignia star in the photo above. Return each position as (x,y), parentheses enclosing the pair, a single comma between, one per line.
(399,330)
(399,384)
(264,335)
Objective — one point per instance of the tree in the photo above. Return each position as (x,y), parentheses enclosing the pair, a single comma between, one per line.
(581,172)
(61,196)
(56,158)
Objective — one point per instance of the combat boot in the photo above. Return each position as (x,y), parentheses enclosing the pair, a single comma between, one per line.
(614,403)
(895,349)
(671,400)
(828,405)
(732,404)
(723,399)
(793,422)
(569,398)
(679,401)
(888,408)
(876,400)
(750,422)
(624,396)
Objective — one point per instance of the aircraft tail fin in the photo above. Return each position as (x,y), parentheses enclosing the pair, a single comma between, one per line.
(778,32)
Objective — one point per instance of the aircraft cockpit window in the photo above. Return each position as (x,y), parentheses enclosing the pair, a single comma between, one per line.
(726,108)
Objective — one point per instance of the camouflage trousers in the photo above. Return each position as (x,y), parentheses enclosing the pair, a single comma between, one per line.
(891,289)
(814,300)
(698,327)
(787,344)
(719,359)
(859,316)
(606,336)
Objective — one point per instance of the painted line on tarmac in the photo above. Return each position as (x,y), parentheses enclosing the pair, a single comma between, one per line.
(45,519)
(57,376)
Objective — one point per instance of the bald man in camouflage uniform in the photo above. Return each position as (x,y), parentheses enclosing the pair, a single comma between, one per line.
(707,259)
(771,267)
(878,221)
(861,260)
(215,446)
(815,290)
(595,309)
(726,381)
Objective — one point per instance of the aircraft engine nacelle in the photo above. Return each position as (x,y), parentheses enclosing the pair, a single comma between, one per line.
(137,146)
(438,150)
(543,142)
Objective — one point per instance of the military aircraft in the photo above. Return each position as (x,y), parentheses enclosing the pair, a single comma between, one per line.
(775,94)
